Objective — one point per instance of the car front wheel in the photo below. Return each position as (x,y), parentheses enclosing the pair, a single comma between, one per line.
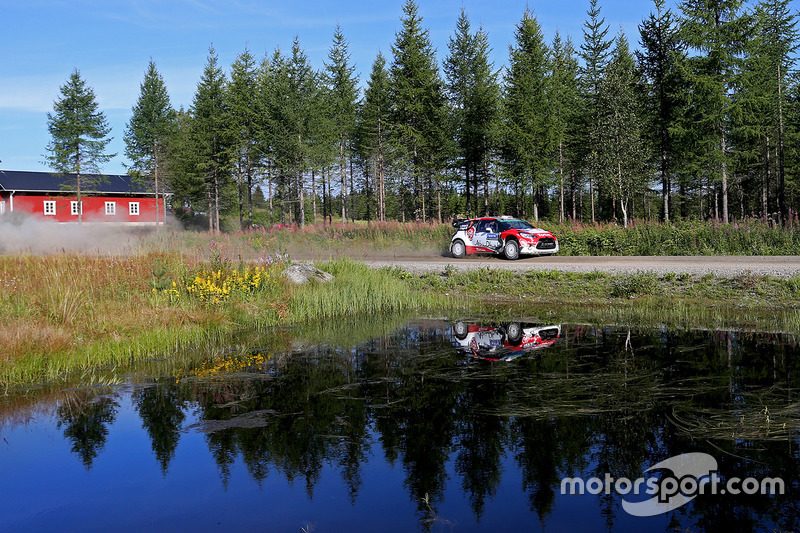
(511,249)
(458,249)
(460,330)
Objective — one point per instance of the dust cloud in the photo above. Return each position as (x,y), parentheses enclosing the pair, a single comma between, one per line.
(26,234)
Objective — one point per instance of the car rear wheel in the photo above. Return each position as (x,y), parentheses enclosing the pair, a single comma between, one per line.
(511,249)
(458,249)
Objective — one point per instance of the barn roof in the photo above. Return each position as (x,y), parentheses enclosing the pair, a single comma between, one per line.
(27,181)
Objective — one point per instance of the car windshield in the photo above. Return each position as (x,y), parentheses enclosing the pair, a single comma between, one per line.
(514,224)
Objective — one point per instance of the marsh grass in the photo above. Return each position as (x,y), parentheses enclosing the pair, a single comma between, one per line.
(753,420)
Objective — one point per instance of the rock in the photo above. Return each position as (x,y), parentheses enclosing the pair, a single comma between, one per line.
(302,273)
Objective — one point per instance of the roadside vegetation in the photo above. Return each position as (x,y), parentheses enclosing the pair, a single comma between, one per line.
(749,237)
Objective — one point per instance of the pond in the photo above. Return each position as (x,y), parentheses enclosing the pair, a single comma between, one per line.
(433,425)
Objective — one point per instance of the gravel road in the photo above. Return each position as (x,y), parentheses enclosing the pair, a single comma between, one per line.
(421,262)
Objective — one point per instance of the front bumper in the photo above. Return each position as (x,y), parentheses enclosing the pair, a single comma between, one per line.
(530,249)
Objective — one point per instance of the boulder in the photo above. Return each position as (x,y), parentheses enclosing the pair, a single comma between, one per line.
(302,273)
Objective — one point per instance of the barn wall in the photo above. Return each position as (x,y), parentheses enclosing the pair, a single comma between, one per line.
(94,208)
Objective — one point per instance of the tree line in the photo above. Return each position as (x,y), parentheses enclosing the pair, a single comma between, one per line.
(701,121)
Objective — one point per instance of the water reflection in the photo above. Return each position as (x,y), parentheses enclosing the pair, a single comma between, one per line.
(504,341)
(85,418)
(497,437)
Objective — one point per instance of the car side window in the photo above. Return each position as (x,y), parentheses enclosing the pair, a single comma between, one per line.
(482,226)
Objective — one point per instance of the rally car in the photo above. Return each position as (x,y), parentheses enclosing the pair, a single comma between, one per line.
(500,235)
(502,342)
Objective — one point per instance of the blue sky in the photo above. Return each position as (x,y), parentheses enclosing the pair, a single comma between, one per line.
(111,42)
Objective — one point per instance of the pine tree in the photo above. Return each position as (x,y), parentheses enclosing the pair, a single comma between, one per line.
(564,108)
(526,139)
(211,135)
(771,61)
(474,97)
(293,105)
(150,131)
(343,91)
(418,111)
(594,52)
(715,30)
(373,128)
(658,61)
(78,134)
(181,165)
(622,152)
(242,101)
(270,94)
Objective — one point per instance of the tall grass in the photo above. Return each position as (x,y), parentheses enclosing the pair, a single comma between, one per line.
(359,290)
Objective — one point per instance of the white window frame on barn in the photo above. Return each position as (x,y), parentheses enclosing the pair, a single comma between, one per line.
(73,207)
(49,208)
(111,208)
(133,208)
(2,207)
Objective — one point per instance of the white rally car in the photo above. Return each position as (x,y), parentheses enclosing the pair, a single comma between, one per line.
(501,235)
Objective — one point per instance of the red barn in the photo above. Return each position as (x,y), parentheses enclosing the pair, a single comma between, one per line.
(104,199)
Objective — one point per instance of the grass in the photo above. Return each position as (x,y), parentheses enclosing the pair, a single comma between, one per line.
(359,290)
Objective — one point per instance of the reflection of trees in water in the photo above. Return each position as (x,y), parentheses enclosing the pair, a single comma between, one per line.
(162,412)
(599,400)
(85,418)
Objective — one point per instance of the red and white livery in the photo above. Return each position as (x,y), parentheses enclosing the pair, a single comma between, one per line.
(503,342)
(508,236)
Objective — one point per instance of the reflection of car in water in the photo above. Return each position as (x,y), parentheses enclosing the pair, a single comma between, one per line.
(504,342)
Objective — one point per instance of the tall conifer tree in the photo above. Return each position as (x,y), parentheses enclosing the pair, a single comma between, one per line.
(594,52)
(150,130)
(374,127)
(564,108)
(715,30)
(343,90)
(474,104)
(242,102)
(658,62)
(418,111)
(78,134)
(526,139)
(211,135)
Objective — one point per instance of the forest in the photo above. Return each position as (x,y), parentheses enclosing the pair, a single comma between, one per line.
(699,119)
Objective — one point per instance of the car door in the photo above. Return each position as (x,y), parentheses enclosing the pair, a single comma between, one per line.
(486,235)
